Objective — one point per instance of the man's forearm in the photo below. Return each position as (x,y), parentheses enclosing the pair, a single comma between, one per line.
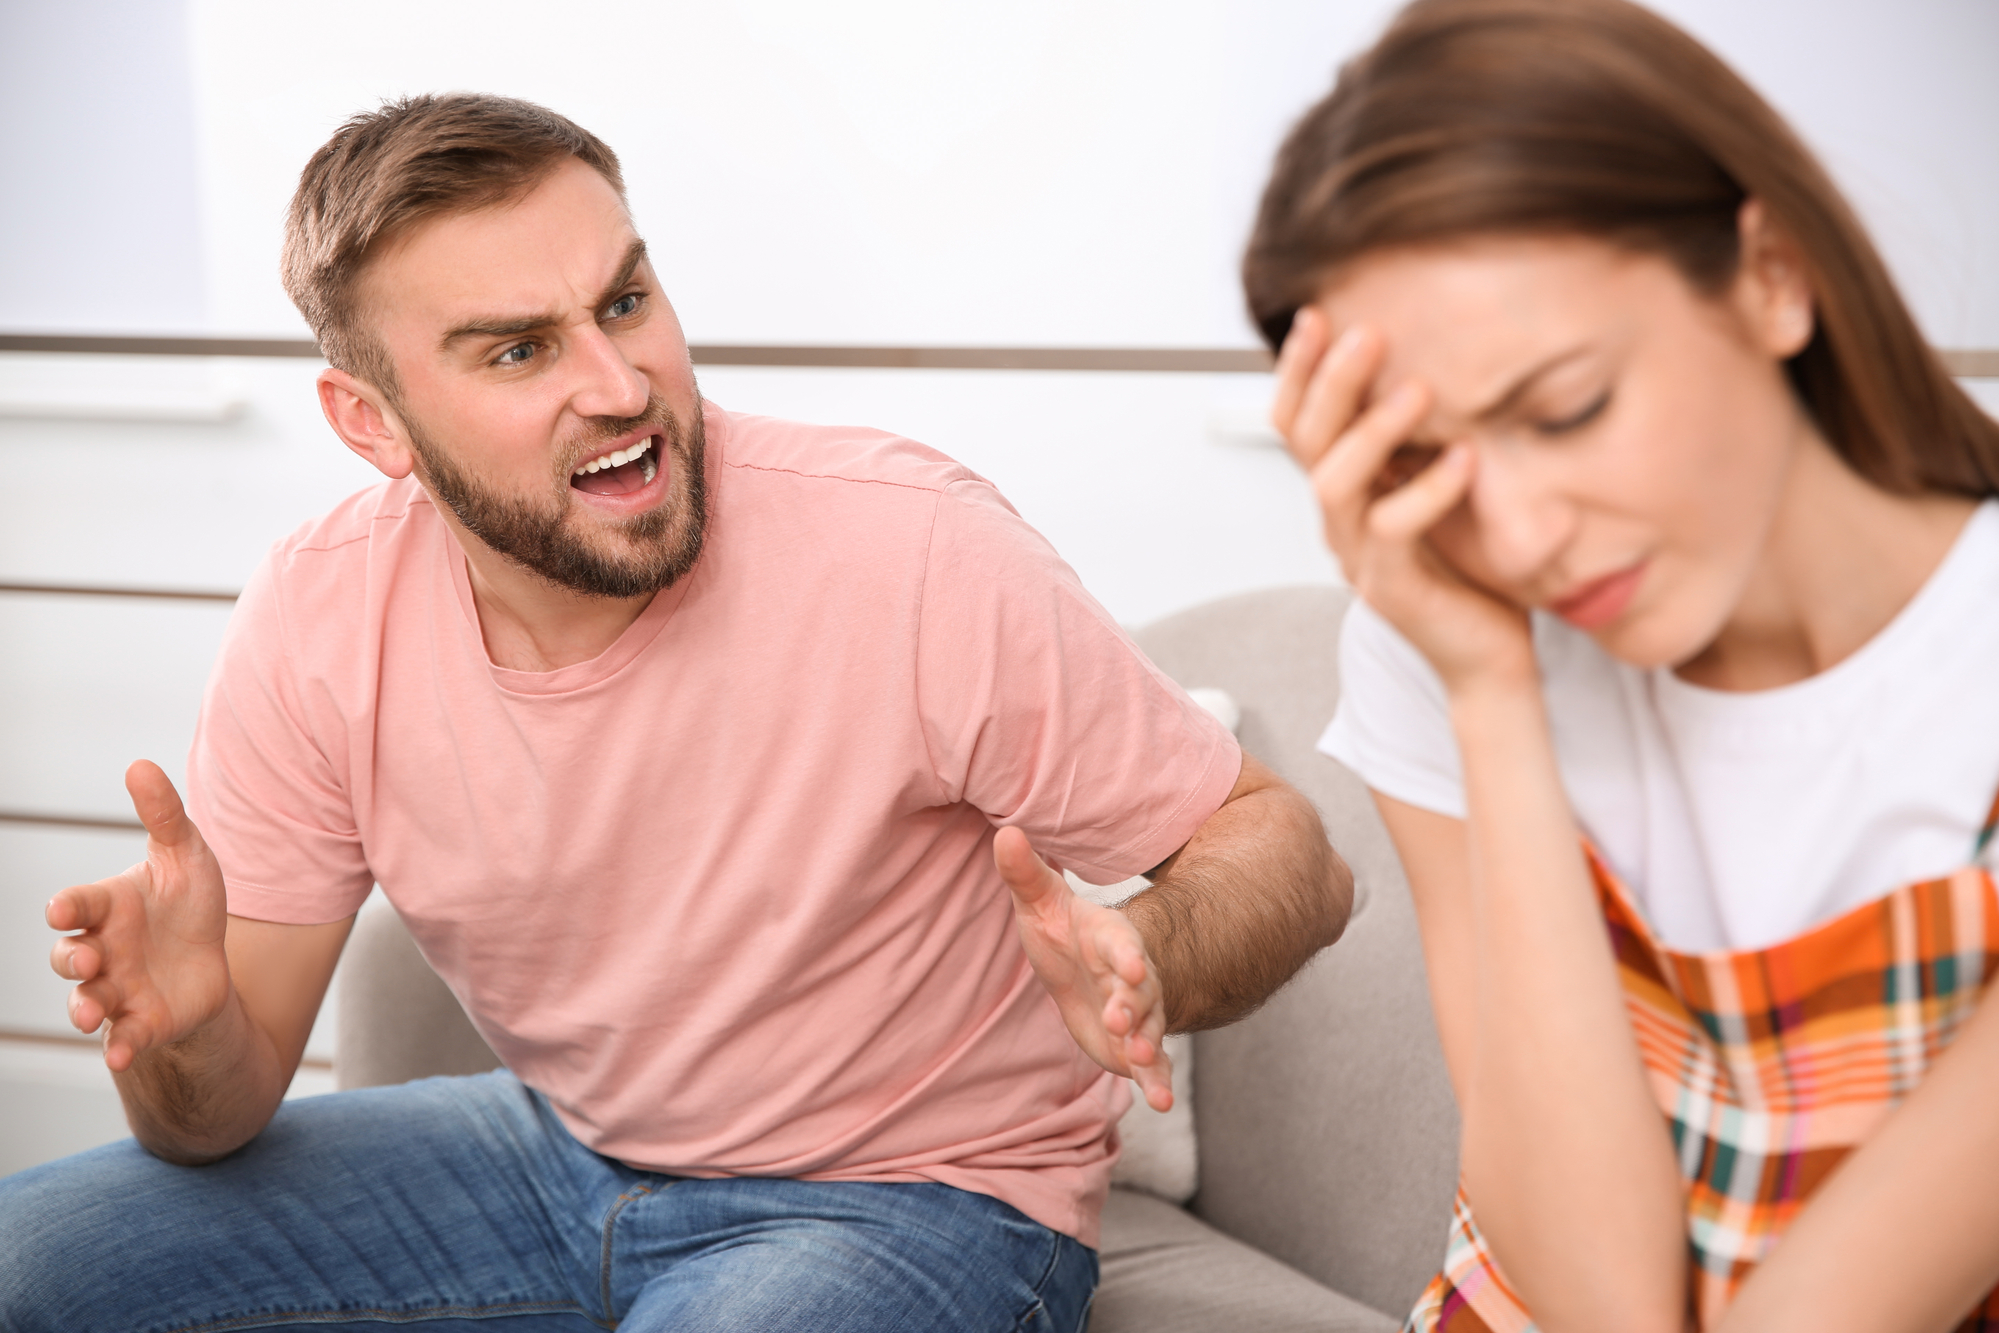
(1254,894)
(205,1096)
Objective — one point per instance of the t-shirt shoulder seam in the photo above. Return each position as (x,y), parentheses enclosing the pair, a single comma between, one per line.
(320,537)
(835,476)
(321,545)
(916,639)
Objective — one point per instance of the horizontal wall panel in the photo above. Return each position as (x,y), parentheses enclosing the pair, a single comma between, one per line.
(34,864)
(37,862)
(1163,490)
(159,503)
(1158,486)
(56,1100)
(89,684)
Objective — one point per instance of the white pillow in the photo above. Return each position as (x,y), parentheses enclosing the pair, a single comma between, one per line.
(1161,1155)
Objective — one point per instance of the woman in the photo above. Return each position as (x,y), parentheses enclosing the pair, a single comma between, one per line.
(1681,617)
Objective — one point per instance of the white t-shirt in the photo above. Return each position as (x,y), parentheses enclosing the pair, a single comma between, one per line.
(1738,819)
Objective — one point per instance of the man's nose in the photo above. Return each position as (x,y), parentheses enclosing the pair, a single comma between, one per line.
(606,384)
(1523,520)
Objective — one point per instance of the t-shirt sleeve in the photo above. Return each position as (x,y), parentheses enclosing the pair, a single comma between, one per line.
(1393,723)
(264,793)
(1039,711)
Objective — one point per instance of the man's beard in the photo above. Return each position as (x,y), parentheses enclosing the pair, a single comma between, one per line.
(662,543)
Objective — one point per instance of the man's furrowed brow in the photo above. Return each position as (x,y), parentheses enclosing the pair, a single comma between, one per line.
(635,254)
(495,328)
(504,327)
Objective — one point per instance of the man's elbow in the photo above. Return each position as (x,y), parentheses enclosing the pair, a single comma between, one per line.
(1325,897)
(1336,895)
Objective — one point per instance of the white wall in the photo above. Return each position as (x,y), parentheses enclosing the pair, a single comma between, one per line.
(99,206)
(878,170)
(1031,171)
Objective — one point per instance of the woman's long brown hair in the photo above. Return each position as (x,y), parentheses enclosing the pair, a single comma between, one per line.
(1599,118)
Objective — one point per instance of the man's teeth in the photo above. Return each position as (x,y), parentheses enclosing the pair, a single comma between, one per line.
(620,457)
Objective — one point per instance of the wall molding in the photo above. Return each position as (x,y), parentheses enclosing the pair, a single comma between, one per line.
(1226,360)
(83,590)
(73,1041)
(35,819)
(1972,362)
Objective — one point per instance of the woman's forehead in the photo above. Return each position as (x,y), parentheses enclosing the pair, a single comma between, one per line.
(1468,316)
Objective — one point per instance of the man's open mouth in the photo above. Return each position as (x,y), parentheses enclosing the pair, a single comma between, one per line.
(619,472)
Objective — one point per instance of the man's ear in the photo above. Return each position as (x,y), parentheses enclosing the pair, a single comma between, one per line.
(364,421)
(1773,289)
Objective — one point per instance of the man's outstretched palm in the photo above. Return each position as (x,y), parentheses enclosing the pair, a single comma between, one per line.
(1094,963)
(149,957)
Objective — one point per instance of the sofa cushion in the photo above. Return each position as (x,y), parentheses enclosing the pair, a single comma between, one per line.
(1159,1152)
(1328,1132)
(1165,1271)
(397,1019)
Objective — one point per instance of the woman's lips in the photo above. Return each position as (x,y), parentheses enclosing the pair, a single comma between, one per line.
(1600,601)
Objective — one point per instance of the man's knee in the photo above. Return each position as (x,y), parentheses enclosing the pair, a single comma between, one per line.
(62,1227)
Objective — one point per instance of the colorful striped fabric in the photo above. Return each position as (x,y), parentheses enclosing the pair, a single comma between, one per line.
(1770,1065)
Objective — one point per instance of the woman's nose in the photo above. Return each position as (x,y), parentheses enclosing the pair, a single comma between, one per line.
(1523,522)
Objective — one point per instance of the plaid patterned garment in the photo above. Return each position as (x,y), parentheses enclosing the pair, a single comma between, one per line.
(1770,1066)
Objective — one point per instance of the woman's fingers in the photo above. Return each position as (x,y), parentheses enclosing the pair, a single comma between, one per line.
(1333,396)
(1343,478)
(1296,360)
(1404,515)
(1319,388)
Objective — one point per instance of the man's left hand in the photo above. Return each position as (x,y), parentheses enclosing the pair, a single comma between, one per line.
(1094,962)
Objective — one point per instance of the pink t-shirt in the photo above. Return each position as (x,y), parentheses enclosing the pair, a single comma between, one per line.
(725,893)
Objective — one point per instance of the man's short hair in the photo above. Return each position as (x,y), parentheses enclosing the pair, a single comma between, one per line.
(384,172)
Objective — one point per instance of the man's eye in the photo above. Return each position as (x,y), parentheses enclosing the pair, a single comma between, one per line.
(517,355)
(627,304)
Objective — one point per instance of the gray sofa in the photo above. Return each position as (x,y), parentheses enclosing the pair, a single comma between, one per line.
(1327,1132)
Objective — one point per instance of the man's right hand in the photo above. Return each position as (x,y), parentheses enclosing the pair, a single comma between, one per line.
(148,958)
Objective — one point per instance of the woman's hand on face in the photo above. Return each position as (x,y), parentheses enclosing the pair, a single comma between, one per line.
(1380,496)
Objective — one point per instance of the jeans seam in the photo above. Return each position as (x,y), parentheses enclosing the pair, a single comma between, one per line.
(383,1315)
(610,1319)
(1048,1271)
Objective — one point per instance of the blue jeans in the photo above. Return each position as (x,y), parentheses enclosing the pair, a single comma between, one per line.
(452,1202)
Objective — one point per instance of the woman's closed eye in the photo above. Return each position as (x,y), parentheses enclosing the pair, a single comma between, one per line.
(1575,421)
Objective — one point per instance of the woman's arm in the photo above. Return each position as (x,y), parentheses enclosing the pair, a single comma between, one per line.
(1904,1238)
(1566,1157)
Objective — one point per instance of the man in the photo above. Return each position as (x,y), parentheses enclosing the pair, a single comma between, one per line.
(680,739)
